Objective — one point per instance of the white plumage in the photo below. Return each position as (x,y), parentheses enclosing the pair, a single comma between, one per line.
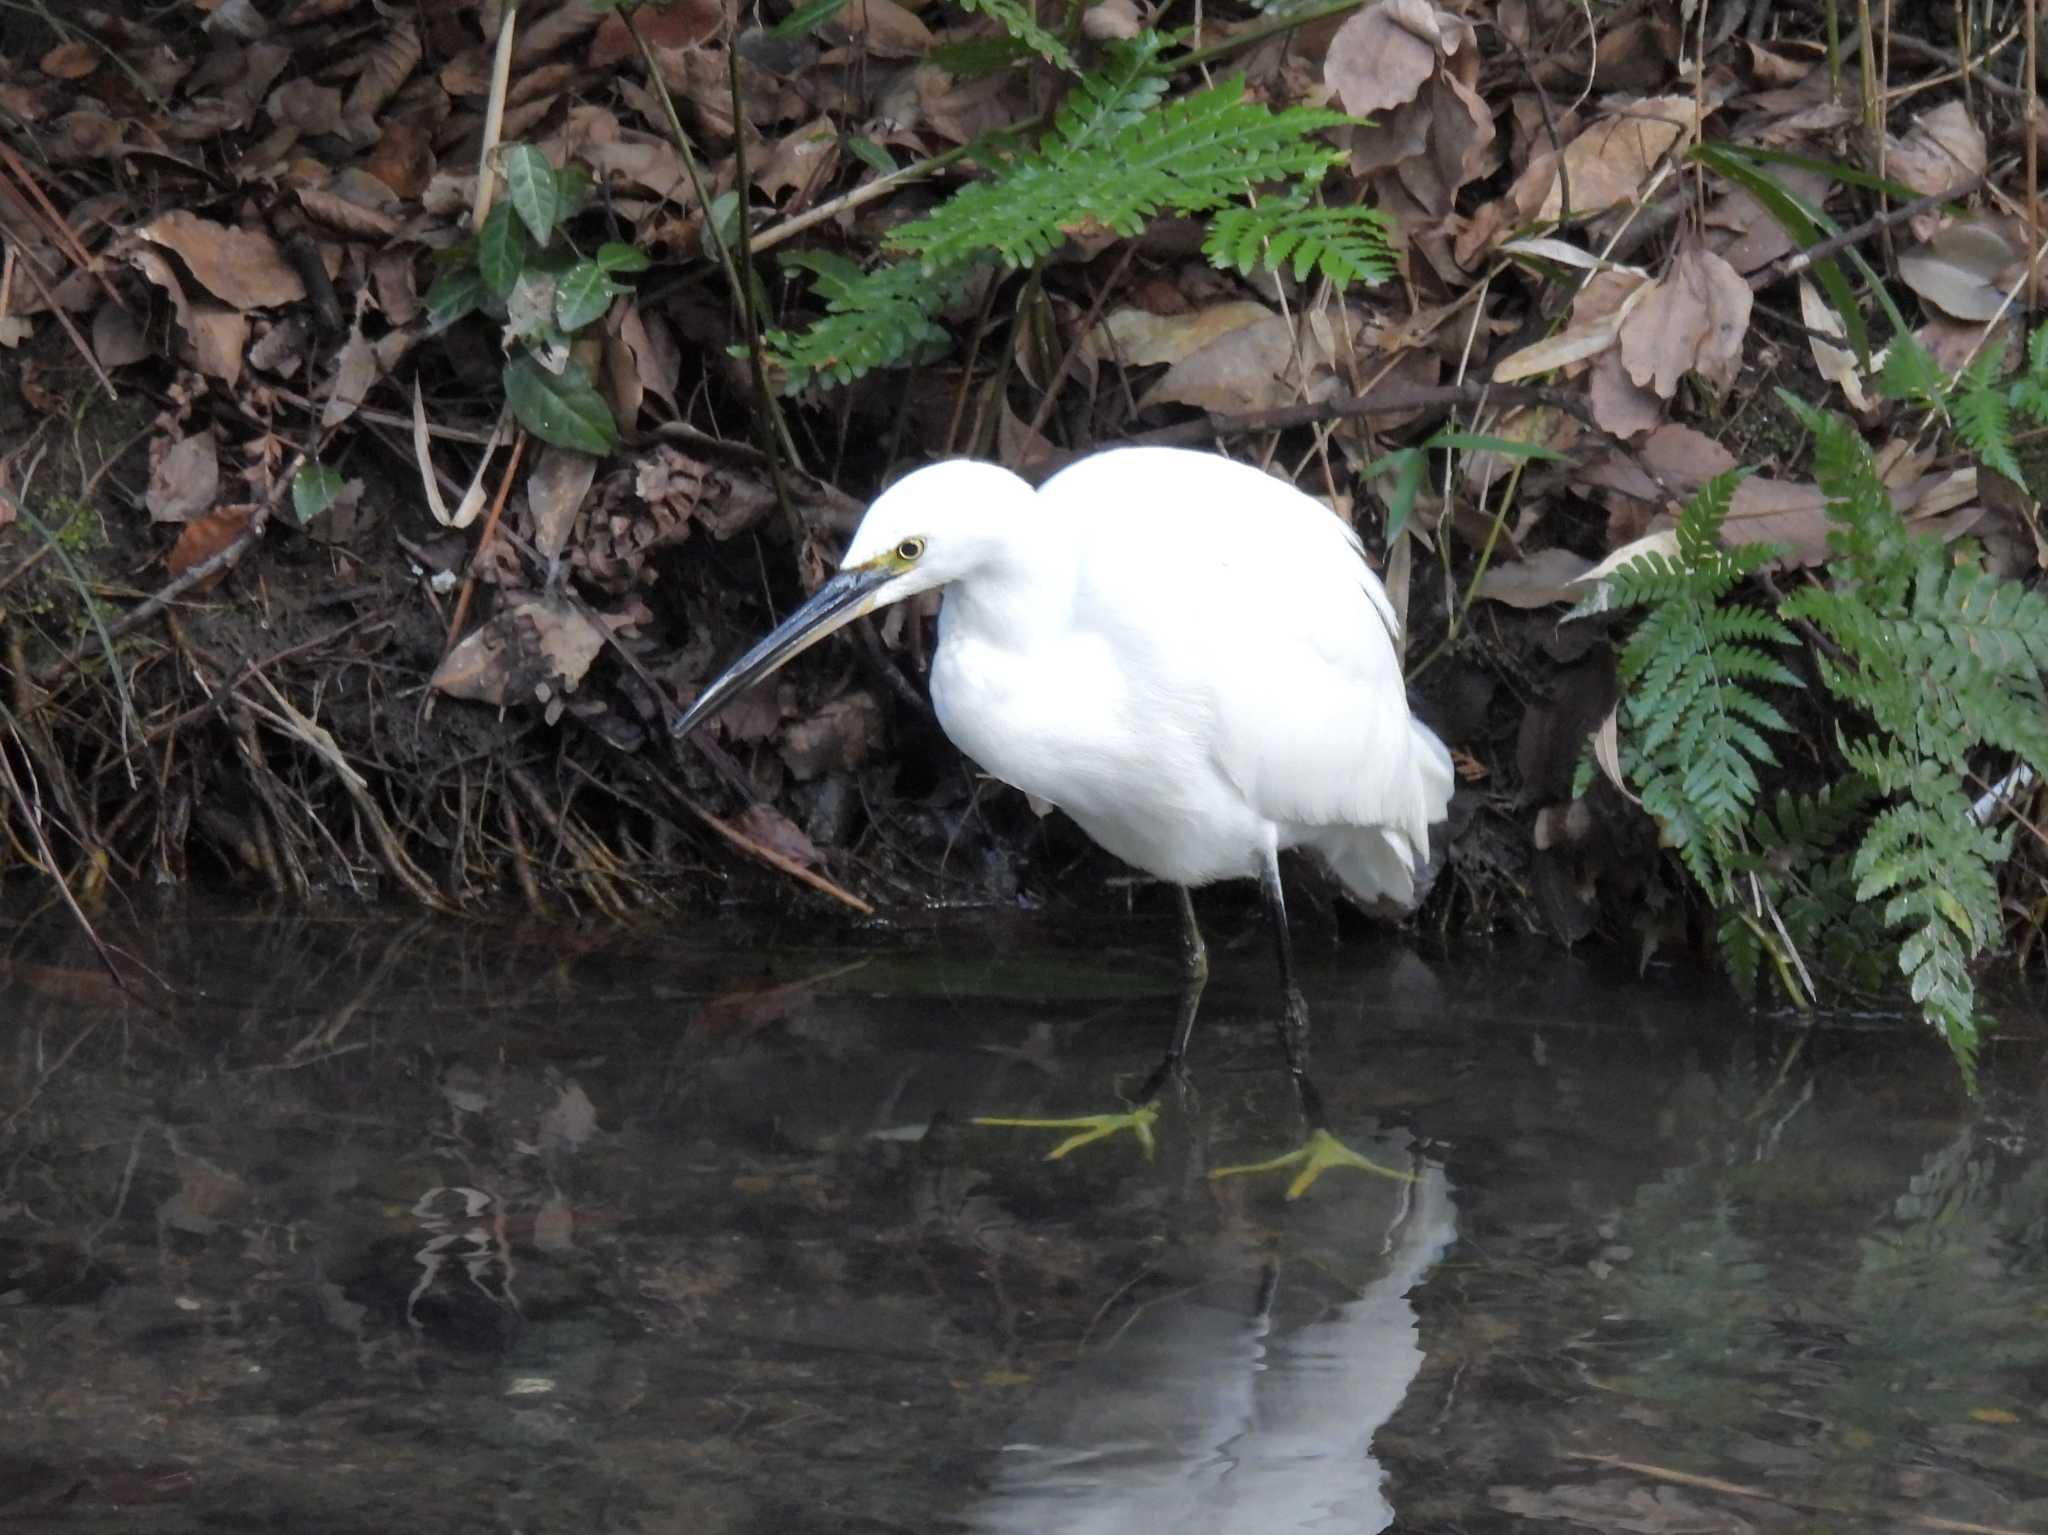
(1189,657)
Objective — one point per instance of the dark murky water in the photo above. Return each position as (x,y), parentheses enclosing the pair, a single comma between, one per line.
(454,1228)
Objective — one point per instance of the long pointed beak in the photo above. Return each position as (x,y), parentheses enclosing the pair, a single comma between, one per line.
(837,603)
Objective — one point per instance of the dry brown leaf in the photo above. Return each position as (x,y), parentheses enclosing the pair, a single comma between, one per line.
(117,338)
(1958,271)
(1775,69)
(71,61)
(642,161)
(184,479)
(347,215)
(1693,320)
(769,827)
(838,738)
(656,356)
(1941,152)
(1835,364)
(242,267)
(801,161)
(1545,577)
(1611,162)
(554,495)
(1619,404)
(1380,58)
(355,372)
(534,650)
(403,159)
(219,336)
(1111,21)
(883,27)
(1252,367)
(541,37)
(206,536)
(1581,340)
(386,65)
(1139,339)
(310,107)
(682,24)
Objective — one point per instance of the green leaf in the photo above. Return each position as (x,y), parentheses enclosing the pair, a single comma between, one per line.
(501,251)
(806,19)
(453,295)
(585,292)
(614,257)
(563,410)
(1344,244)
(314,488)
(871,154)
(532,189)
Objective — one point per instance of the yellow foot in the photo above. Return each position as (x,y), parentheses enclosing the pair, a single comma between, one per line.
(1321,1152)
(1089,1128)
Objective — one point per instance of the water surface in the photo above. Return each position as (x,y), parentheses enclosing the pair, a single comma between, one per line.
(422,1225)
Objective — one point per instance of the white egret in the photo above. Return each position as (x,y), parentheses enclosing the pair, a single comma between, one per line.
(1189,657)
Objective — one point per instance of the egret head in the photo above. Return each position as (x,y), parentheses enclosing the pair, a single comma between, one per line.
(933,526)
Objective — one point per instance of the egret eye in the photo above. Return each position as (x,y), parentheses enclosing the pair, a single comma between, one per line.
(910,551)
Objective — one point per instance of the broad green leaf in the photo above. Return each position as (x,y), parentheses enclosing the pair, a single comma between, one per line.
(565,411)
(869,153)
(585,292)
(807,18)
(614,257)
(314,488)
(725,219)
(501,251)
(453,295)
(531,187)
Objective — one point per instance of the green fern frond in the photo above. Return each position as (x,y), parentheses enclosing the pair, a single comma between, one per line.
(1345,245)
(1694,728)
(873,318)
(1983,414)
(1911,374)
(1015,18)
(1187,156)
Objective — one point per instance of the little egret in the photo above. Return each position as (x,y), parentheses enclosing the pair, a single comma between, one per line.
(1189,657)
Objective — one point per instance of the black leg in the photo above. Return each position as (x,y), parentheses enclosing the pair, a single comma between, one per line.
(1294,1017)
(1196,955)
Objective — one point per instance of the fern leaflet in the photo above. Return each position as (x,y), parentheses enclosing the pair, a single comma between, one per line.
(1345,245)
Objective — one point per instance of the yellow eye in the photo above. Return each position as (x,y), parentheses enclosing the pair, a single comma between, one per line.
(910,551)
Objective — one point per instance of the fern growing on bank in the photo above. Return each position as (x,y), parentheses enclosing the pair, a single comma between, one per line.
(1118,153)
(1692,718)
(1938,662)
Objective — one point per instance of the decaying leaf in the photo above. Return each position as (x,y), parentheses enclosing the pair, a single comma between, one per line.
(533,651)
(554,492)
(184,480)
(1958,271)
(1836,364)
(204,537)
(219,336)
(1611,162)
(1942,152)
(1693,320)
(1416,69)
(1137,338)
(241,267)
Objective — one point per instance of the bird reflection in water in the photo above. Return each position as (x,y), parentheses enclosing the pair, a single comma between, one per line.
(1207,1417)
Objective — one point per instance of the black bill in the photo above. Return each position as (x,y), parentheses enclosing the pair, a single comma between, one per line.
(838,602)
